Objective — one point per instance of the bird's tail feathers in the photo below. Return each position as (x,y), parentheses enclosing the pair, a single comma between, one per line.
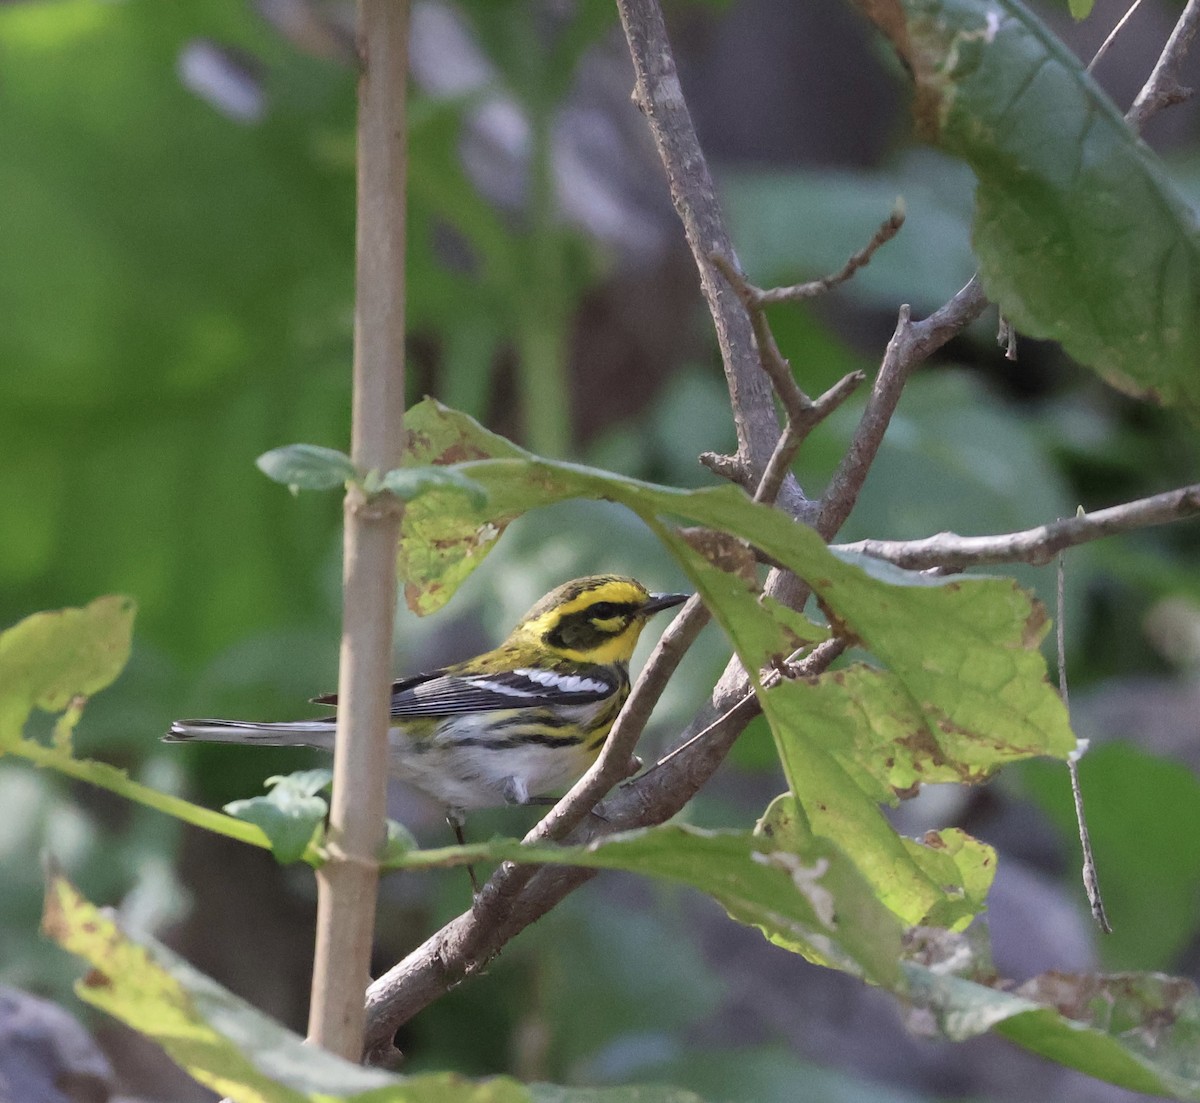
(295,733)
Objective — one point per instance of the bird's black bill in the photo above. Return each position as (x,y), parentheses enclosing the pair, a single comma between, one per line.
(659,602)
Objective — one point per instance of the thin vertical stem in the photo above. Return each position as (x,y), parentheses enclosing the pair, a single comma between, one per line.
(347,883)
(1091,880)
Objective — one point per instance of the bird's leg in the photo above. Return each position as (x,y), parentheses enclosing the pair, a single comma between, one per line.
(457,819)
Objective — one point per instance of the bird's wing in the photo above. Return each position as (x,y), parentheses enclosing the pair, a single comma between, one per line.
(451,691)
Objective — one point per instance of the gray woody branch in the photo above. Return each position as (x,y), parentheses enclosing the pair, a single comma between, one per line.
(1037,546)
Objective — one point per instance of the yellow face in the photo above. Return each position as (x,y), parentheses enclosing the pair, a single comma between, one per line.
(597,619)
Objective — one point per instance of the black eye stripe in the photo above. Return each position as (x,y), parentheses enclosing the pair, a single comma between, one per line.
(603,610)
(590,627)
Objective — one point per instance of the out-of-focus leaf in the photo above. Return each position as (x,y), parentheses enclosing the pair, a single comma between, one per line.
(307,467)
(632,1093)
(290,814)
(227,1045)
(644,981)
(1081,234)
(1080,9)
(49,658)
(156,246)
(220,1040)
(772,1075)
(399,841)
(1138,1030)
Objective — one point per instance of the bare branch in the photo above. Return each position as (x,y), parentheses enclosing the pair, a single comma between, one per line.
(659,95)
(1091,879)
(888,229)
(1036,546)
(803,414)
(911,343)
(1163,87)
(1112,35)
(727,467)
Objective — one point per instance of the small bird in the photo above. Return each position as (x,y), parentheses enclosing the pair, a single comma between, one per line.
(510,725)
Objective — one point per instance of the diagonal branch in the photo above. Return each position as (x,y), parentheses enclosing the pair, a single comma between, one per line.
(911,344)
(1163,88)
(659,96)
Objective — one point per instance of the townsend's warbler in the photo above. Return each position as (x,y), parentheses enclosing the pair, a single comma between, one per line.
(511,724)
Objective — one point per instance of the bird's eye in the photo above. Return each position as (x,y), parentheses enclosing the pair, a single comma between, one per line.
(603,610)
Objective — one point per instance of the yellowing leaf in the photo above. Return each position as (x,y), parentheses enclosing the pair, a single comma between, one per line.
(49,659)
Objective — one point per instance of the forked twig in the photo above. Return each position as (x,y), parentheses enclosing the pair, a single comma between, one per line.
(802,413)
(888,229)
(911,343)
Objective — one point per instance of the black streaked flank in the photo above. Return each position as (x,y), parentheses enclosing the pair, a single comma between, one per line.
(544,719)
(529,739)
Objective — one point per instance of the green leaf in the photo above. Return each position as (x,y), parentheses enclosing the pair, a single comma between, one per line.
(307,467)
(399,842)
(291,813)
(435,557)
(53,661)
(408,483)
(1141,1031)
(1081,234)
(1138,1030)
(799,890)
(1080,9)
(50,658)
